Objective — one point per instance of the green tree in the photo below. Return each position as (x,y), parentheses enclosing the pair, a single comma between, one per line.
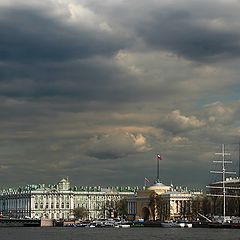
(201,205)
(80,212)
(110,208)
(121,208)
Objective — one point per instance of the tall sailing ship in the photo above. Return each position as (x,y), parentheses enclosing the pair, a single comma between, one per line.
(227,187)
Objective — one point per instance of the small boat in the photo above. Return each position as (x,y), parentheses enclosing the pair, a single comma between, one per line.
(176,224)
(219,225)
(170,224)
(232,222)
(91,225)
(151,223)
(185,224)
(124,226)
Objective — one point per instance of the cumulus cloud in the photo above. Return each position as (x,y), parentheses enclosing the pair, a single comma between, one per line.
(117,145)
(219,114)
(176,122)
(180,141)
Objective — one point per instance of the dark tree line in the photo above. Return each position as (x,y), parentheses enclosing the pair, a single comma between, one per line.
(108,210)
(211,205)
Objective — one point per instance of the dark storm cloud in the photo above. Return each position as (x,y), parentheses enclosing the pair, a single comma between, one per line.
(87,80)
(43,56)
(200,31)
(30,35)
(187,33)
(192,42)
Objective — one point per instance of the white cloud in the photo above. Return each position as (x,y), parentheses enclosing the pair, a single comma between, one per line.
(218,113)
(180,141)
(177,122)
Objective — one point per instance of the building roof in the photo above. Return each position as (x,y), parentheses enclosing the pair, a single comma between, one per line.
(174,192)
(159,187)
(63,180)
(228,181)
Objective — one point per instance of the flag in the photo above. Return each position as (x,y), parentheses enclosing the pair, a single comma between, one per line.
(146,179)
(159,157)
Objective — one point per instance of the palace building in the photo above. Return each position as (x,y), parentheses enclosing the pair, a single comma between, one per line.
(59,201)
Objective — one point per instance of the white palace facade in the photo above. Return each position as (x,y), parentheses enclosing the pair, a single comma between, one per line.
(59,201)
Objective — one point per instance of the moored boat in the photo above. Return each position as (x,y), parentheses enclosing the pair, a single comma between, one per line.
(151,223)
(176,224)
(219,225)
(170,224)
(186,225)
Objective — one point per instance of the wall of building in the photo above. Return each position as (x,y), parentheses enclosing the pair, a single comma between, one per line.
(163,205)
(59,201)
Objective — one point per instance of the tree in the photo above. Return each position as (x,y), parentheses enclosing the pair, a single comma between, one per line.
(121,208)
(80,212)
(109,209)
(201,205)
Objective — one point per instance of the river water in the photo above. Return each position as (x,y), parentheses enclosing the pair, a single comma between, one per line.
(68,233)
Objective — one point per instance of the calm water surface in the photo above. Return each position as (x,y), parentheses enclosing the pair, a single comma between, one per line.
(115,233)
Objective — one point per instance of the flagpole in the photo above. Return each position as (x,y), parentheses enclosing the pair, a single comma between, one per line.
(145,182)
(158,167)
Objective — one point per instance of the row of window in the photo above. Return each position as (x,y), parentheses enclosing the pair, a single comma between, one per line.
(93,198)
(41,197)
(51,206)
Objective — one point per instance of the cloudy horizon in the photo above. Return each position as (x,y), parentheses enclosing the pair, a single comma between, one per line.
(94,90)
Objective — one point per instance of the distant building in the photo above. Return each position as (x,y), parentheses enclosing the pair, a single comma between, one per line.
(58,201)
(101,202)
(175,205)
(232,188)
(160,202)
(139,205)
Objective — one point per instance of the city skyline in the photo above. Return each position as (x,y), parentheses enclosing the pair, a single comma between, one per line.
(95,90)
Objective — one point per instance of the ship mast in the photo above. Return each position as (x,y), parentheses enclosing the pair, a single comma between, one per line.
(223,154)
(223,161)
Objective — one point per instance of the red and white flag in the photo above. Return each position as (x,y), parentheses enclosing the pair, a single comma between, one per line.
(146,179)
(159,157)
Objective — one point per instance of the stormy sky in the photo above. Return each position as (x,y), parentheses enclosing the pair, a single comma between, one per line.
(94,90)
